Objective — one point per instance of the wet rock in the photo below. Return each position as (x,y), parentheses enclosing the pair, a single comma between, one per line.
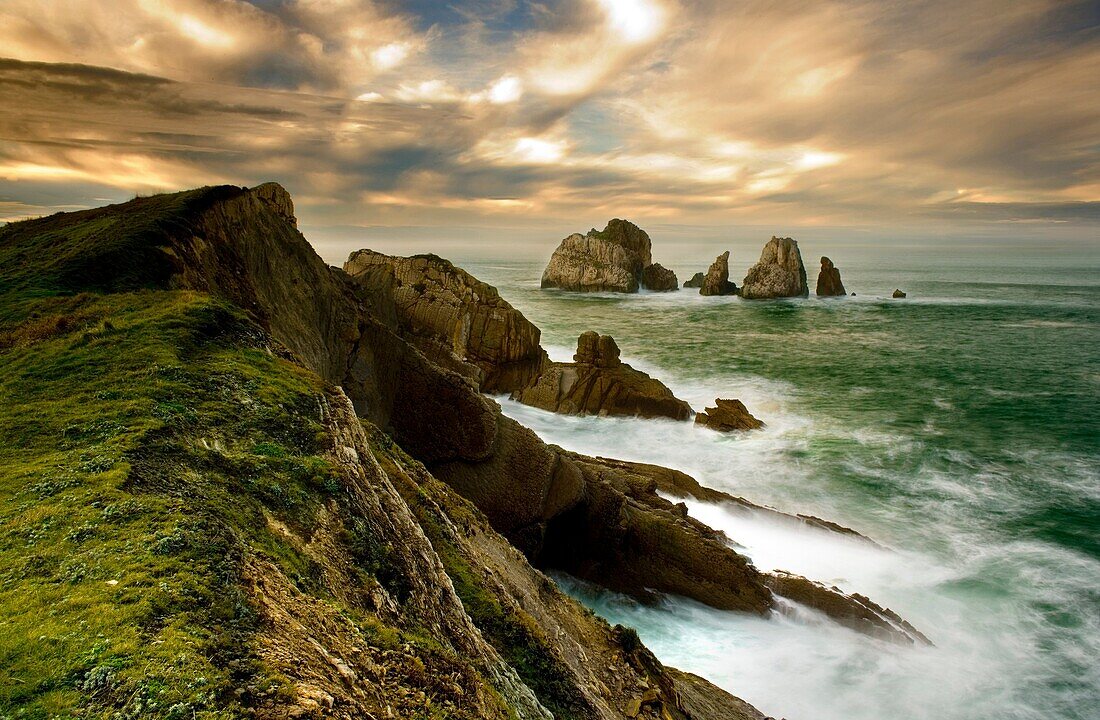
(897,294)
(717,279)
(828,280)
(728,415)
(658,278)
(778,273)
(599,383)
(611,259)
(696,281)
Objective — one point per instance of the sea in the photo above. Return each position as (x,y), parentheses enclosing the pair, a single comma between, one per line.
(958,428)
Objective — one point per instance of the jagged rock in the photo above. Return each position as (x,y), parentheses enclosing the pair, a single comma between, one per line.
(854,611)
(717,279)
(728,415)
(598,383)
(778,273)
(659,278)
(611,259)
(458,321)
(897,294)
(828,280)
(696,280)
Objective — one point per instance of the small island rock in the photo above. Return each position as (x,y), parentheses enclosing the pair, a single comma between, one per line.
(658,278)
(717,280)
(728,415)
(779,272)
(615,259)
(898,294)
(696,281)
(828,280)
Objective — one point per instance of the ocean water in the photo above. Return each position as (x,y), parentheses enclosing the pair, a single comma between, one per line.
(959,428)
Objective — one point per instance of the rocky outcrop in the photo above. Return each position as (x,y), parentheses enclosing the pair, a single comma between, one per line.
(898,294)
(615,259)
(778,273)
(696,280)
(598,383)
(828,280)
(855,611)
(455,319)
(658,278)
(728,415)
(717,279)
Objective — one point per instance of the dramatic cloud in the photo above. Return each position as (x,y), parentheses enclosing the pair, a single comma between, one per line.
(558,114)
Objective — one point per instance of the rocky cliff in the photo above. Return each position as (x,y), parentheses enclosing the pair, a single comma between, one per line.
(778,273)
(615,259)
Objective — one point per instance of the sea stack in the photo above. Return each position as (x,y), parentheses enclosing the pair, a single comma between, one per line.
(615,259)
(696,281)
(828,280)
(717,279)
(728,415)
(778,273)
(898,294)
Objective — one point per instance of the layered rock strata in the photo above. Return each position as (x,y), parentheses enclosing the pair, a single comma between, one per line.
(599,383)
(778,273)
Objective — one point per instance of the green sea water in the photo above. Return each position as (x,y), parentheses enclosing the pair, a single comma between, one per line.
(959,428)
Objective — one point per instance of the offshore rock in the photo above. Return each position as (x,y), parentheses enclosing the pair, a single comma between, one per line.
(728,415)
(611,259)
(778,273)
(455,319)
(696,281)
(658,278)
(598,383)
(898,294)
(717,279)
(828,280)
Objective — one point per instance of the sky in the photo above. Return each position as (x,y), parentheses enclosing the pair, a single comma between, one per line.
(508,124)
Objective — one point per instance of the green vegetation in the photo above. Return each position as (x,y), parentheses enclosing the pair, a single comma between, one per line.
(514,633)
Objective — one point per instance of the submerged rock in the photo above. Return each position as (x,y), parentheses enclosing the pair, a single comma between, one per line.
(828,280)
(728,415)
(778,273)
(897,294)
(696,281)
(599,383)
(658,278)
(717,279)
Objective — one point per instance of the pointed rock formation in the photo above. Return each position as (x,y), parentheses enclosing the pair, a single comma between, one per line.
(898,294)
(696,281)
(728,415)
(779,272)
(828,280)
(599,383)
(717,279)
(658,278)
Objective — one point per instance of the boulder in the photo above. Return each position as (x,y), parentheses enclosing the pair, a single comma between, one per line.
(599,383)
(717,279)
(828,280)
(728,415)
(696,281)
(897,294)
(778,273)
(611,259)
(459,322)
(659,278)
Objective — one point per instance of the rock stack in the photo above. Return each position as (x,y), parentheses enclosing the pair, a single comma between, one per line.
(779,272)
(828,280)
(615,259)
(717,279)
(696,281)
(728,415)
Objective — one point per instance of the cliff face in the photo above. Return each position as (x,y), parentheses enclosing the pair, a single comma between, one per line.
(219,531)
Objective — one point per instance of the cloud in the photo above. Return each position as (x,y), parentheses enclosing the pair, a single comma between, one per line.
(694,111)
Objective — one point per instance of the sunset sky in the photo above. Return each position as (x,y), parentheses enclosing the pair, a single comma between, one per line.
(512,119)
